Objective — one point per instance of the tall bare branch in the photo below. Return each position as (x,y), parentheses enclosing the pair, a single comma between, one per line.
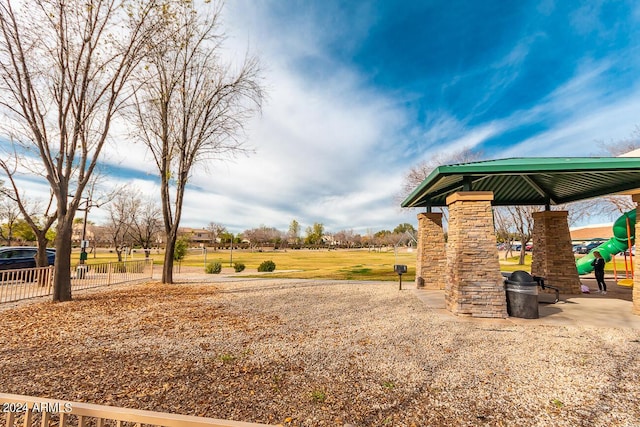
(64,65)
(192,107)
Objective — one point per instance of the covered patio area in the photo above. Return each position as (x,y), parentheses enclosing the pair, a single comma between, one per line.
(467,266)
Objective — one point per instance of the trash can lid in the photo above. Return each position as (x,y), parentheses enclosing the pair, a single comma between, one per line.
(521,277)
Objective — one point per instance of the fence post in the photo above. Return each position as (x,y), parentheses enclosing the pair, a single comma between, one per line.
(50,277)
(109,273)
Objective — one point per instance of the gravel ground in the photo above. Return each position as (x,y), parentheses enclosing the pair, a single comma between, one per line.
(311,353)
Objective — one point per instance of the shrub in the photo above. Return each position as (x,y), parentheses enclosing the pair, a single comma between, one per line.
(267,266)
(318,396)
(213,268)
(238,267)
(180,250)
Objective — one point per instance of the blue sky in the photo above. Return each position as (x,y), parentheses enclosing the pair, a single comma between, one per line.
(358,92)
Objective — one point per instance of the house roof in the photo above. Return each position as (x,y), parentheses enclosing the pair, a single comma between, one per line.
(530,180)
(604,232)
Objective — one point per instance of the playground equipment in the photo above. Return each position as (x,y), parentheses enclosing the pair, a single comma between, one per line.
(628,271)
(623,238)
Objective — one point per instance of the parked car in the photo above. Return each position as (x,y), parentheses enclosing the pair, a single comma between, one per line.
(585,249)
(14,257)
(528,247)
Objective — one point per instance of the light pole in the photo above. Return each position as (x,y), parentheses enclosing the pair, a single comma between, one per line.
(231,253)
(88,204)
(83,244)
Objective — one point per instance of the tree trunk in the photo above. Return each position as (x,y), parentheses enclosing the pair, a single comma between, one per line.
(167,268)
(41,256)
(62,269)
(42,260)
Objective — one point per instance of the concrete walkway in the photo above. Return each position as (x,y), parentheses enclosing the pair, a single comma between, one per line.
(610,311)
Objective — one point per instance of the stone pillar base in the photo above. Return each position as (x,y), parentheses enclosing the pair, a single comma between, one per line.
(553,256)
(430,266)
(474,284)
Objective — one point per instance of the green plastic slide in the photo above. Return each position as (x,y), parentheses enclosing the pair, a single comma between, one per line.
(618,243)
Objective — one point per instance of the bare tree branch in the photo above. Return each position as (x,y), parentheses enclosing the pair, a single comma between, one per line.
(63,72)
(191,108)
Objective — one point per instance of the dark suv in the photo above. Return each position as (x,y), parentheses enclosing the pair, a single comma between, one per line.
(585,249)
(14,257)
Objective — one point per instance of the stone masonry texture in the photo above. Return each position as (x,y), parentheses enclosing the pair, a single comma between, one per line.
(430,265)
(474,286)
(553,257)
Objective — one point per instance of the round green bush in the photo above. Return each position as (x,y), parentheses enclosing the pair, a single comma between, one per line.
(213,268)
(267,266)
(238,267)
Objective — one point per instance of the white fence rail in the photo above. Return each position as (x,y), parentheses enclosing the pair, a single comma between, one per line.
(27,283)
(28,411)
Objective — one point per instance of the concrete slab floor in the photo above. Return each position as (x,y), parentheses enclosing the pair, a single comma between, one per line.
(612,310)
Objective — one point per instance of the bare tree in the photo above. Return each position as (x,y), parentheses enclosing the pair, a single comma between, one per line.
(63,68)
(9,216)
(215,230)
(121,212)
(421,171)
(521,217)
(504,228)
(192,107)
(146,222)
(262,236)
(346,238)
(611,205)
(40,220)
(622,146)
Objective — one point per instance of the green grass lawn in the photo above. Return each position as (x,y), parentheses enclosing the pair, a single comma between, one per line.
(342,264)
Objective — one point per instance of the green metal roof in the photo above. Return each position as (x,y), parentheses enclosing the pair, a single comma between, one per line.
(530,180)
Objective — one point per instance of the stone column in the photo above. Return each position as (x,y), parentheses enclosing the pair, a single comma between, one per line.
(553,256)
(430,265)
(474,286)
(636,263)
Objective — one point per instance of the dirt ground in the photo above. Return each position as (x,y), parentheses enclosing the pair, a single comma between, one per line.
(310,353)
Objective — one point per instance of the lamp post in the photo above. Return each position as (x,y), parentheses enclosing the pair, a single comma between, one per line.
(88,204)
(231,253)
(83,244)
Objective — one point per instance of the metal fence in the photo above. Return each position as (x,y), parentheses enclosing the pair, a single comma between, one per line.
(25,283)
(36,282)
(27,411)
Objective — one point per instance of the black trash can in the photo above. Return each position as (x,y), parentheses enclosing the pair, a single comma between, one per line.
(522,295)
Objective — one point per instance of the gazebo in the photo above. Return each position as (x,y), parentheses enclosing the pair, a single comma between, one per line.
(467,267)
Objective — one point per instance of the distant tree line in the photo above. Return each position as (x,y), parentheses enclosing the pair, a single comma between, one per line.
(135,221)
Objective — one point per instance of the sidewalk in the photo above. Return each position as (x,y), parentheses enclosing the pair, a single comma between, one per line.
(612,310)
